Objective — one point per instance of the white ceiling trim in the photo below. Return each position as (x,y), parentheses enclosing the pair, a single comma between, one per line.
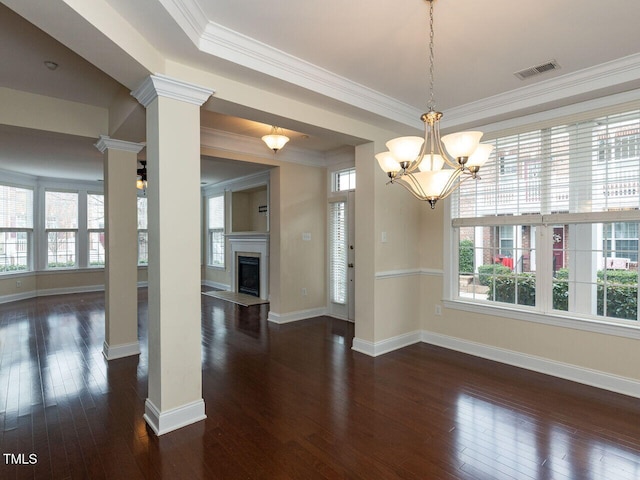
(163,86)
(606,75)
(215,39)
(255,147)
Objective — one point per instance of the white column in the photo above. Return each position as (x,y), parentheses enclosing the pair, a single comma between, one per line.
(121,269)
(173,192)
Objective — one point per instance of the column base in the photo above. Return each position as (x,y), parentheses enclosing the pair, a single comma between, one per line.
(170,420)
(111,352)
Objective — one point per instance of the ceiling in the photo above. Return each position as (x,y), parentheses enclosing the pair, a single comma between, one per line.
(364,59)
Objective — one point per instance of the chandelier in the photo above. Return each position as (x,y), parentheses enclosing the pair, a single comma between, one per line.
(276,139)
(429,170)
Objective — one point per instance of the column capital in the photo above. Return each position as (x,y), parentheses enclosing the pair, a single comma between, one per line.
(162,86)
(105,142)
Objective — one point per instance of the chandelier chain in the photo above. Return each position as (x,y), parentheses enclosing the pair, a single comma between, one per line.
(432,168)
(432,103)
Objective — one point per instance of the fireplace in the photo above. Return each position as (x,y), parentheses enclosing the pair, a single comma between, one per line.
(256,247)
(249,275)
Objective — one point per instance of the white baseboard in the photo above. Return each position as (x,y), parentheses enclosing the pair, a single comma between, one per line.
(281,318)
(218,285)
(173,419)
(385,346)
(594,378)
(57,291)
(112,352)
(14,297)
(67,290)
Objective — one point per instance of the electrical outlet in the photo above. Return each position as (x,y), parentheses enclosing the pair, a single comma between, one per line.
(18,283)
(304,292)
(438,310)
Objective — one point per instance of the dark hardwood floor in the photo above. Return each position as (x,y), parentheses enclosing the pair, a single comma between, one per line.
(293,402)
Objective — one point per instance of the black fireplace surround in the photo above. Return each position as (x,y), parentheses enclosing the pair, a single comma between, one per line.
(249,275)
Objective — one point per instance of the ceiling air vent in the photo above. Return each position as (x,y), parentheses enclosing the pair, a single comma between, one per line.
(538,69)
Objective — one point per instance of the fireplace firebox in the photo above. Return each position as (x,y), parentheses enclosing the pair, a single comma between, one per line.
(249,275)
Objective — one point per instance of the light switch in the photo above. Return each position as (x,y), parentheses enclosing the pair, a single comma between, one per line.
(306,236)
(383,237)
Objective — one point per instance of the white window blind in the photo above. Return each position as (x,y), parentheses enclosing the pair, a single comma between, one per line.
(16,225)
(338,252)
(16,207)
(95,227)
(61,221)
(216,231)
(143,235)
(585,167)
(552,226)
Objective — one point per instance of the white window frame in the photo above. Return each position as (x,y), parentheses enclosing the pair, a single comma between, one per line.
(338,245)
(544,247)
(219,232)
(94,230)
(28,231)
(77,240)
(143,231)
(335,180)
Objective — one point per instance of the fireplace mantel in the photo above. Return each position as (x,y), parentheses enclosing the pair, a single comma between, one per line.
(254,244)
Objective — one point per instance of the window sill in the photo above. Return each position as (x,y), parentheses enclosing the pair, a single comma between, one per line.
(574,322)
(217,267)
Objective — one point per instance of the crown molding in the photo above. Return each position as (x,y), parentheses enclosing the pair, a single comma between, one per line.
(598,77)
(105,142)
(214,39)
(235,143)
(220,41)
(158,85)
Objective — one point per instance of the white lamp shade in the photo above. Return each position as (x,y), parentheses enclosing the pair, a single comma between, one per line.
(431,163)
(387,162)
(405,149)
(462,144)
(433,183)
(480,156)
(275,142)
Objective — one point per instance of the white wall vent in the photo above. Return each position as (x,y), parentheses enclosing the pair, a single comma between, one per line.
(538,69)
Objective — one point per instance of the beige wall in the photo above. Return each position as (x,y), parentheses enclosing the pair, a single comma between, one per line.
(244,210)
(51,282)
(599,352)
(594,351)
(298,206)
(9,285)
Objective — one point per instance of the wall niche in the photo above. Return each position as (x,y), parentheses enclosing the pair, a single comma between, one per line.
(250,210)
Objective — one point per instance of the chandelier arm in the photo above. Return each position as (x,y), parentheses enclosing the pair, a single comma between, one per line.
(460,182)
(448,159)
(415,186)
(423,151)
(407,187)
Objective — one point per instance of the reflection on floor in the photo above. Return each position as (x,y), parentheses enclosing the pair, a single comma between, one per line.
(234,297)
(292,402)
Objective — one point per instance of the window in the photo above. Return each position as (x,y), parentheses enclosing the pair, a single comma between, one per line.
(621,241)
(216,231)
(61,225)
(344,180)
(552,227)
(95,229)
(16,228)
(338,252)
(143,234)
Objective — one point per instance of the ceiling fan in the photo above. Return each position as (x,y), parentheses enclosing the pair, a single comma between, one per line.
(141,176)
